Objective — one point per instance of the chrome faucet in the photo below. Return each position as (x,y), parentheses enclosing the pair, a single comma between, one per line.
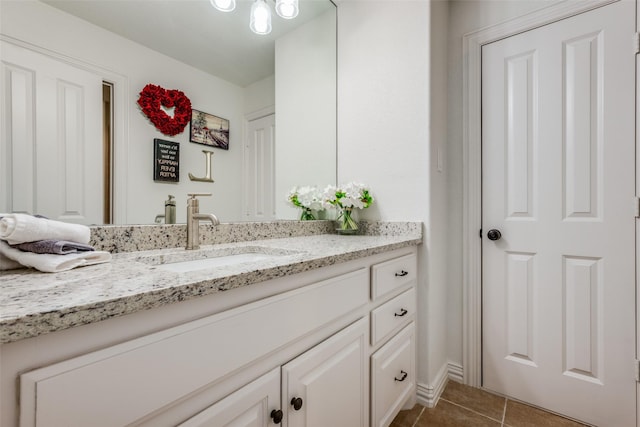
(193,220)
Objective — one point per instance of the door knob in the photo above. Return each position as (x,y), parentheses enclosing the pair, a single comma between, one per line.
(494,234)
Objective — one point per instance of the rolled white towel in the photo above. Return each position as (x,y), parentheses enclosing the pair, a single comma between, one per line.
(21,228)
(51,263)
(8,264)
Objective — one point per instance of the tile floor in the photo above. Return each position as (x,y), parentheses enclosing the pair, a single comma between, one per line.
(466,406)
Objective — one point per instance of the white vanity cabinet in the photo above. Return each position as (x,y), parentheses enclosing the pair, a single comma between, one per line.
(324,352)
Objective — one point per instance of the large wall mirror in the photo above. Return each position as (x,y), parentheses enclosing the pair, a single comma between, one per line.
(72,71)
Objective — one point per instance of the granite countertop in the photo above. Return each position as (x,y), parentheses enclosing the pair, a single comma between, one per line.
(34,303)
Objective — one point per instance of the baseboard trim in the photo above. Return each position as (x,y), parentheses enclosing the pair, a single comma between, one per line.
(456,372)
(429,395)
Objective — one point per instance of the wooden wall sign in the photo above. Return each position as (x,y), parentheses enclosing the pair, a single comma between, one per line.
(166,161)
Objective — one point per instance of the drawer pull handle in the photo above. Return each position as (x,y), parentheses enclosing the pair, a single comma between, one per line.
(402,273)
(402,377)
(403,312)
(277,416)
(296,402)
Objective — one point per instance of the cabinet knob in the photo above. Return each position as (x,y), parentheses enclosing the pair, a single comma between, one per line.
(402,313)
(277,415)
(402,273)
(403,376)
(296,402)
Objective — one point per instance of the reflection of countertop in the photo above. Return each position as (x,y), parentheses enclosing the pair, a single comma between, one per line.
(35,303)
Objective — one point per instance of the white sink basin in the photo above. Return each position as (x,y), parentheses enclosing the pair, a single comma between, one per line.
(185,261)
(218,261)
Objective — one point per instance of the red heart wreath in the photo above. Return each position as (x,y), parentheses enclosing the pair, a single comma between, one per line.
(153,97)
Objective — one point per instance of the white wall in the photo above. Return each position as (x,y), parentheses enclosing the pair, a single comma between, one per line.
(465,17)
(434,300)
(306,146)
(391,124)
(41,25)
(260,95)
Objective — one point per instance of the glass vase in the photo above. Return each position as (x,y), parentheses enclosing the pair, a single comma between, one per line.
(347,222)
(307,215)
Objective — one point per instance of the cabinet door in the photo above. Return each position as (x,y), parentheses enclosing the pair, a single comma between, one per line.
(250,406)
(331,380)
(393,376)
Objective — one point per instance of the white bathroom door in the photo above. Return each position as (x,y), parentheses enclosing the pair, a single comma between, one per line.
(558,184)
(51,143)
(260,169)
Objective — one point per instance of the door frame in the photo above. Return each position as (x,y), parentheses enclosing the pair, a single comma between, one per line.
(472,168)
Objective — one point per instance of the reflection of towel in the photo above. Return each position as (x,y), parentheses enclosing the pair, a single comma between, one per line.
(51,263)
(20,228)
(8,264)
(59,247)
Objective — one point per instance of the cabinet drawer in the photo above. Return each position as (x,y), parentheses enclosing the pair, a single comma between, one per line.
(392,315)
(392,274)
(98,389)
(393,376)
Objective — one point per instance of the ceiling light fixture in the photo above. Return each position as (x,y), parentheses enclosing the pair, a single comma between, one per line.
(260,19)
(287,9)
(224,5)
(260,22)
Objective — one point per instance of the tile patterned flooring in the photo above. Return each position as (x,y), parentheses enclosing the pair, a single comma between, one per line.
(464,406)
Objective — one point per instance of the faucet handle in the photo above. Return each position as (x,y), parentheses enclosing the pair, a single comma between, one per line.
(194,195)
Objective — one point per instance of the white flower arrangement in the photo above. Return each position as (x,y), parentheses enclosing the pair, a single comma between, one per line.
(308,199)
(346,198)
(351,195)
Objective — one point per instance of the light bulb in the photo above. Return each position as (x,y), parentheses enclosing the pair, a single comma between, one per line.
(260,22)
(287,9)
(224,5)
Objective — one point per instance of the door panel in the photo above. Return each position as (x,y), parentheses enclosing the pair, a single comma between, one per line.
(558,182)
(260,169)
(51,144)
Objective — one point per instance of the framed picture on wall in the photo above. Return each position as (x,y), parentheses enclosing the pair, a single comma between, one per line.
(208,129)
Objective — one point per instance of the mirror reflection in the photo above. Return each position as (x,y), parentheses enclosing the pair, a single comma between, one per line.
(80,148)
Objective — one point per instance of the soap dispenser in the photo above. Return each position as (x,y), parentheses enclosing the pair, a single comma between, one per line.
(170,210)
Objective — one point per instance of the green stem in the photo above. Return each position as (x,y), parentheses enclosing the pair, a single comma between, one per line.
(307,215)
(347,222)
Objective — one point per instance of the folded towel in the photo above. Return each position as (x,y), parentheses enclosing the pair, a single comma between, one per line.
(20,228)
(59,247)
(8,264)
(51,263)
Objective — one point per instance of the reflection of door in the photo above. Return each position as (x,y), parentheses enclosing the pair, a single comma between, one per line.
(51,143)
(558,181)
(260,169)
